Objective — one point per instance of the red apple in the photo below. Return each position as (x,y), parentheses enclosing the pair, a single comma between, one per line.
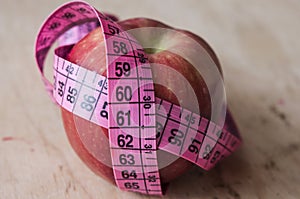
(90,140)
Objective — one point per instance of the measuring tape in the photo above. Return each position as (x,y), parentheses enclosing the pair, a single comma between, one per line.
(139,123)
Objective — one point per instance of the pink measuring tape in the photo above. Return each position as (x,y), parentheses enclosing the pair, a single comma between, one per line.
(139,123)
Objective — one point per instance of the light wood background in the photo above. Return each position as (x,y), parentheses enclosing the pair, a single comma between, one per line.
(258,45)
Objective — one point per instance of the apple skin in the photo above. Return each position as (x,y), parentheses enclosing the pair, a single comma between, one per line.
(90,141)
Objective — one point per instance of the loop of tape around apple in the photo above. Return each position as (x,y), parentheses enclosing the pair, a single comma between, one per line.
(76,13)
(220,141)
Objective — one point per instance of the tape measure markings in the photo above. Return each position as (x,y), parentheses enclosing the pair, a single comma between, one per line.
(164,123)
(93,97)
(120,47)
(149,145)
(203,132)
(204,125)
(45,40)
(167,112)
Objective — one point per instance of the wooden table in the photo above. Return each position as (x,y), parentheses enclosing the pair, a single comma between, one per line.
(258,45)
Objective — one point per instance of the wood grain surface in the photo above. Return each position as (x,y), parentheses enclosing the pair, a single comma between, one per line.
(258,45)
